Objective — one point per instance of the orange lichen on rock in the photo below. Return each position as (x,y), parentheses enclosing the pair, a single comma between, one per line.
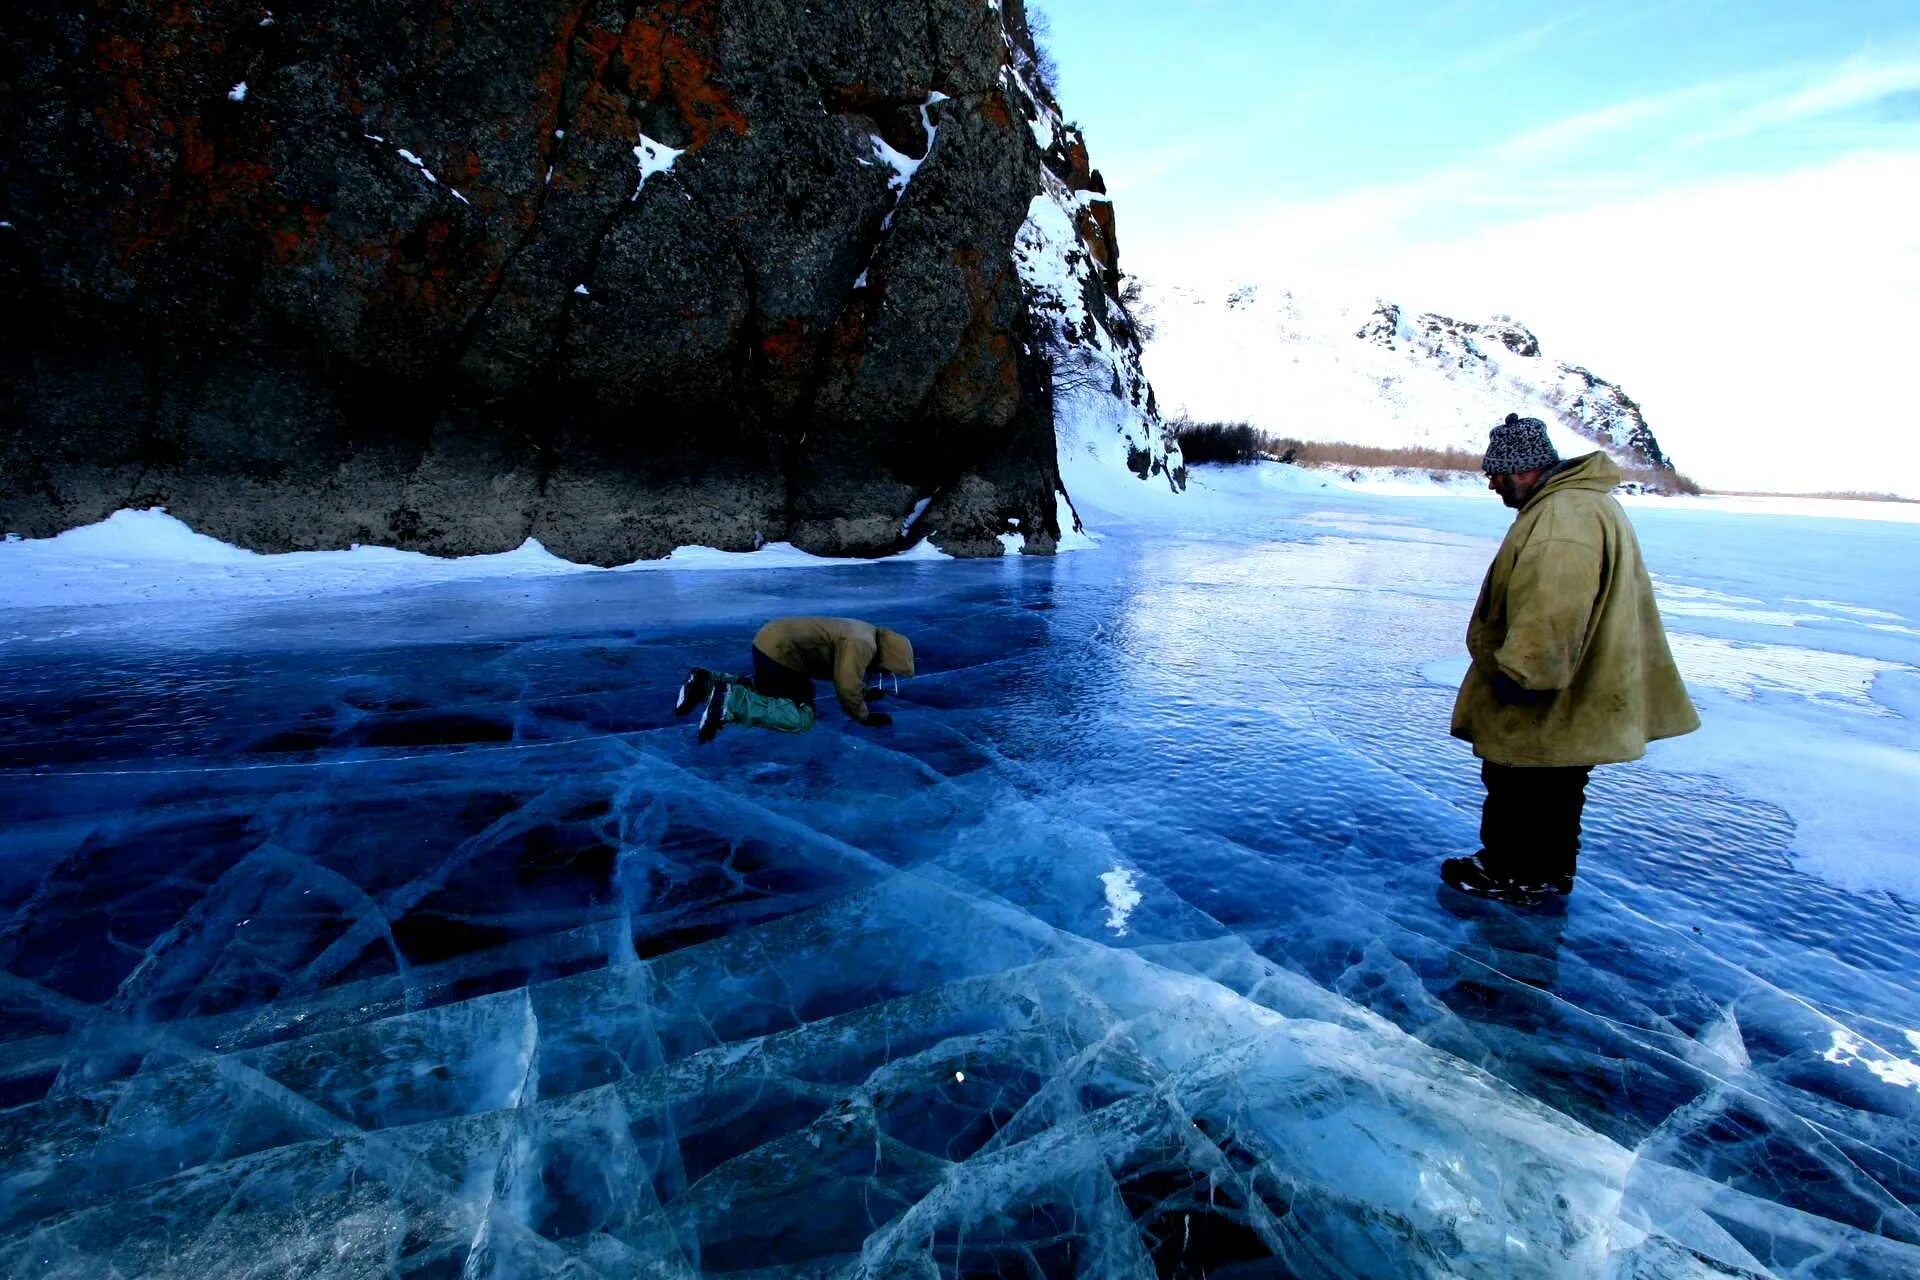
(785,343)
(1094,223)
(1078,166)
(663,63)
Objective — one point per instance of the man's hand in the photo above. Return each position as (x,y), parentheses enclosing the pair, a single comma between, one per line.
(1512,693)
(877,720)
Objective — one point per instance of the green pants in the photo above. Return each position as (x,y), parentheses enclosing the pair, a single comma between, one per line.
(783,715)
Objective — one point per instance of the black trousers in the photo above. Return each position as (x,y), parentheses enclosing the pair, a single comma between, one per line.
(1530,823)
(776,681)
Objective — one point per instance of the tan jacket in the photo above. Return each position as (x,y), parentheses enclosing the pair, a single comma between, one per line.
(843,650)
(1567,607)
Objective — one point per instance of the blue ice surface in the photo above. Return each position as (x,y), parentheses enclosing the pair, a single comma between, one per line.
(410,934)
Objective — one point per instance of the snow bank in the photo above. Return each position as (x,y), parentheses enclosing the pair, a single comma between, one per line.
(1784,505)
(149,555)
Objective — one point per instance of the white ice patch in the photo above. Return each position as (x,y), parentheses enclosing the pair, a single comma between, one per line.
(903,165)
(1848,1050)
(1682,608)
(1747,670)
(652,157)
(1852,610)
(1724,1039)
(580,289)
(1701,602)
(417,163)
(238,93)
(1042,125)
(1123,895)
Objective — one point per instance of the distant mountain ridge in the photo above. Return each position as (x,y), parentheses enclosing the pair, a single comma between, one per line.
(1374,375)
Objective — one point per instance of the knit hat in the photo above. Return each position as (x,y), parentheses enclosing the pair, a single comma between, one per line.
(1519,444)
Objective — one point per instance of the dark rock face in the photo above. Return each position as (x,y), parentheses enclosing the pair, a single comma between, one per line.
(431,275)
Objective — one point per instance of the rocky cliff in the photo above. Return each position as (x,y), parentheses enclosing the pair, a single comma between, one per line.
(614,274)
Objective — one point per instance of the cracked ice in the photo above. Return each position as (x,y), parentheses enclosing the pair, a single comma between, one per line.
(410,934)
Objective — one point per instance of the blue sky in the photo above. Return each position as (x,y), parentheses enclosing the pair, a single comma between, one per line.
(1610,174)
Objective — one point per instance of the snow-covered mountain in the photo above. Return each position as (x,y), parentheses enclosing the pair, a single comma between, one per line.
(1315,369)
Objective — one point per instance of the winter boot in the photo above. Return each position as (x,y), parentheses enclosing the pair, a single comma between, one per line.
(716,713)
(783,715)
(1473,877)
(693,691)
(698,684)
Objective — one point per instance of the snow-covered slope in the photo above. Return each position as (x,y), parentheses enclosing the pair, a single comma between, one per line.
(1115,449)
(1315,369)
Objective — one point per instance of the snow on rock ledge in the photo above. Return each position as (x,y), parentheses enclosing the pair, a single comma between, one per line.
(1115,451)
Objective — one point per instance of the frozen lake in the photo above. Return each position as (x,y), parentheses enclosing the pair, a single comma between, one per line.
(409,934)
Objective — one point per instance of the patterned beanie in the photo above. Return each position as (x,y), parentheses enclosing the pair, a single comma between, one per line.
(1519,444)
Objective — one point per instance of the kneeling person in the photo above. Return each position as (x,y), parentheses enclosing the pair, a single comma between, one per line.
(789,654)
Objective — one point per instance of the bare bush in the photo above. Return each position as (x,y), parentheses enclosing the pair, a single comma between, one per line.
(1661,480)
(1133,298)
(1241,442)
(1337,453)
(1228,442)
(1045,72)
(1841,495)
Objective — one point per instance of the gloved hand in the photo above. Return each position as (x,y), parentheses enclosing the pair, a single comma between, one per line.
(878,720)
(1512,693)
(875,694)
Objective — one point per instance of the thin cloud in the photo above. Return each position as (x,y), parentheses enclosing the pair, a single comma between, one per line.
(1852,86)
(1621,151)
(1495,53)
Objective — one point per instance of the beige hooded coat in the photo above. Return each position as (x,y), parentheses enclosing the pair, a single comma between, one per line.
(843,650)
(1567,608)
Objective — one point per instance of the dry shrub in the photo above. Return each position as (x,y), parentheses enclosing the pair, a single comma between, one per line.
(1661,480)
(1323,453)
(1229,442)
(1241,442)
(1842,495)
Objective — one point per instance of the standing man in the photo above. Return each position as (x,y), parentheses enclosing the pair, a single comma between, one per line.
(789,654)
(1570,664)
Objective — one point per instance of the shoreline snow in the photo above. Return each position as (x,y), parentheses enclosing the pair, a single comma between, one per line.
(1417,482)
(142,556)
(147,556)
